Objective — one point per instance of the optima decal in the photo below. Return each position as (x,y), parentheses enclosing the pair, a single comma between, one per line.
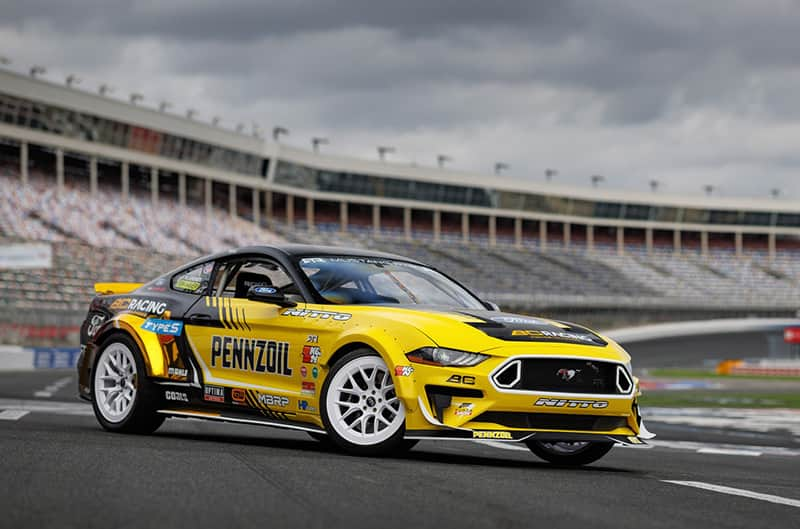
(570,403)
(258,356)
(318,314)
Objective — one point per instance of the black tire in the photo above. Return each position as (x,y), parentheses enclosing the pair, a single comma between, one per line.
(142,417)
(393,445)
(589,453)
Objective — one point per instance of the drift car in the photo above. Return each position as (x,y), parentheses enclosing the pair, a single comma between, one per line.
(370,351)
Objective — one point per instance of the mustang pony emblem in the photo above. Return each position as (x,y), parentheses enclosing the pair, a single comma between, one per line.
(567,374)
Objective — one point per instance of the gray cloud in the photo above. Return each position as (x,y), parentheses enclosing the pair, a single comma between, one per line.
(683,90)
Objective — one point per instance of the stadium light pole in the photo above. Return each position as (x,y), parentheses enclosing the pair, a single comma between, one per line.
(163,106)
(549,174)
(383,150)
(654,184)
(73,79)
(708,188)
(37,70)
(775,192)
(500,167)
(316,142)
(443,159)
(215,121)
(278,131)
(136,98)
(596,179)
(105,89)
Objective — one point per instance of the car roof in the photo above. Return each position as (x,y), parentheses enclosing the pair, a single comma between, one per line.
(303,250)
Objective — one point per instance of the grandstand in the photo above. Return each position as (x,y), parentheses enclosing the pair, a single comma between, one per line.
(131,192)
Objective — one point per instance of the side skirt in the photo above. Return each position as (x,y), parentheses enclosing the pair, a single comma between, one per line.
(223,417)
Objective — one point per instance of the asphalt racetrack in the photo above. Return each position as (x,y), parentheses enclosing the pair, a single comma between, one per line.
(60,469)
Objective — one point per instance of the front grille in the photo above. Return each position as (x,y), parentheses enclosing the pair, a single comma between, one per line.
(563,375)
(553,421)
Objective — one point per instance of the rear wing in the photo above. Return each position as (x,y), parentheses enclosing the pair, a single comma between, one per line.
(104,289)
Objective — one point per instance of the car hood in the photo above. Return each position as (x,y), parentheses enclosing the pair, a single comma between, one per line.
(503,333)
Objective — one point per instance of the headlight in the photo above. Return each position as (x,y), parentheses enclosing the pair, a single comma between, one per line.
(445,357)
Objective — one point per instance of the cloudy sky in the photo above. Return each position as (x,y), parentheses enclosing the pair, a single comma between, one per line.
(684,92)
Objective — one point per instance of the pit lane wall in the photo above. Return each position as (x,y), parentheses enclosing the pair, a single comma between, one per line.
(16,358)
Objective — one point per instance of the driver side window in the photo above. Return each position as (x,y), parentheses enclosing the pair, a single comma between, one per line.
(232,279)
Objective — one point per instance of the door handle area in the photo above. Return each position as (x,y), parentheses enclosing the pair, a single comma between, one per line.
(198,318)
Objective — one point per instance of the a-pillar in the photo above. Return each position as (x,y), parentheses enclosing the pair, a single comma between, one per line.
(739,244)
(437,226)
(93,176)
(704,243)
(125,181)
(23,161)
(232,199)
(518,232)
(59,169)
(154,185)
(567,234)
(182,189)
(407,223)
(208,198)
(676,242)
(289,210)
(492,230)
(771,246)
(343,217)
(620,240)
(648,240)
(256,206)
(590,237)
(543,235)
(465,227)
(376,219)
(310,226)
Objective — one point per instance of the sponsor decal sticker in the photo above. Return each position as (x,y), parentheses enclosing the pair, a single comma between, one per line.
(189,285)
(554,335)
(273,400)
(178,396)
(120,304)
(303,371)
(246,354)
(177,372)
(214,394)
(403,371)
(94,324)
(462,379)
(309,387)
(314,372)
(303,405)
(318,314)
(238,396)
(264,291)
(312,338)
(571,403)
(518,320)
(169,327)
(311,354)
(148,306)
(567,374)
(464,409)
(491,435)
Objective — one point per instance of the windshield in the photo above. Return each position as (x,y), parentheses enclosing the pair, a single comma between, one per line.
(368,280)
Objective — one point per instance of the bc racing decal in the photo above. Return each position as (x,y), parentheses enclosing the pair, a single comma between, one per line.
(318,314)
(247,354)
(147,306)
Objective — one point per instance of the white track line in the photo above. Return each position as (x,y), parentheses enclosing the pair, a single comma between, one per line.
(737,492)
(52,388)
(12,415)
(46,406)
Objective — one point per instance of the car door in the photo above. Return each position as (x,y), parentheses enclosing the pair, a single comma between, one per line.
(248,345)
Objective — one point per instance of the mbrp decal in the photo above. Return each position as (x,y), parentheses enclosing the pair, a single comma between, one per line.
(258,356)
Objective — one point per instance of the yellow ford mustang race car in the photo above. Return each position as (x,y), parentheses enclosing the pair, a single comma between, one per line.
(367,350)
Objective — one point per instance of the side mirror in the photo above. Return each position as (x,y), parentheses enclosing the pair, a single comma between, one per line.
(267,294)
(492,306)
